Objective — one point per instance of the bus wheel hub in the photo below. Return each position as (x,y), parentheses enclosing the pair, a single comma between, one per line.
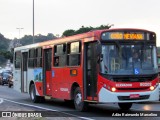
(78,98)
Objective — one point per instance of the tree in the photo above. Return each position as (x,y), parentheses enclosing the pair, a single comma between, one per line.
(5,55)
(84,29)
(104,27)
(68,32)
(4,42)
(50,36)
(4,47)
(28,39)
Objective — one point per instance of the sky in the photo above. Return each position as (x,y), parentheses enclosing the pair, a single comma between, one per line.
(56,16)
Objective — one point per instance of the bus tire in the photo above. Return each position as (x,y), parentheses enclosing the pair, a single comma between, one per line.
(33,95)
(78,103)
(125,106)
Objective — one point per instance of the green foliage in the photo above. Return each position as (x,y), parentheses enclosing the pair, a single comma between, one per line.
(4,42)
(2,60)
(28,39)
(4,55)
(104,27)
(84,30)
(68,32)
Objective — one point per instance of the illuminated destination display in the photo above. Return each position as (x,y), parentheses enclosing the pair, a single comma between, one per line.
(123,36)
(126,36)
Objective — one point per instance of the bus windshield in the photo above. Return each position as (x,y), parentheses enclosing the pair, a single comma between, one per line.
(128,59)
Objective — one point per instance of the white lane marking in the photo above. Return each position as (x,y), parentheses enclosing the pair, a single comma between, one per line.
(85,118)
(1,100)
(136,109)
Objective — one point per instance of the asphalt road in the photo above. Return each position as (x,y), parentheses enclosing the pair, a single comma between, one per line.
(13,101)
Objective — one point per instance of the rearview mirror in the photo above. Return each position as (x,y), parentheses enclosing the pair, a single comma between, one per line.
(98,48)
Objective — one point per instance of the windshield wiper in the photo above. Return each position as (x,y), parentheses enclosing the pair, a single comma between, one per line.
(117,45)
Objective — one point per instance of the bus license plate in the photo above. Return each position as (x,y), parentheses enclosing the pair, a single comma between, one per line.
(134,96)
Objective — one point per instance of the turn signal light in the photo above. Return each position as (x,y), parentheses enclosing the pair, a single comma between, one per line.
(73,72)
(151,88)
(113,89)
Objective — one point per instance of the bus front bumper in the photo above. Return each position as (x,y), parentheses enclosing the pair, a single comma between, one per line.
(106,96)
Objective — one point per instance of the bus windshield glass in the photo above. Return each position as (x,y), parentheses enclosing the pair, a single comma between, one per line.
(128,59)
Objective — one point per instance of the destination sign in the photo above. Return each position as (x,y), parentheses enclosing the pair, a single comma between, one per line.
(137,36)
(123,36)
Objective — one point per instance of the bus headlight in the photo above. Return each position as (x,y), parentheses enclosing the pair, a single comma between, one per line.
(113,89)
(151,88)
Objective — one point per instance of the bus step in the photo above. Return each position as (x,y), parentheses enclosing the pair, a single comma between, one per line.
(47,97)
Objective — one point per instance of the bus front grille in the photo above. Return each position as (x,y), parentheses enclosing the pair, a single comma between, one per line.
(144,88)
(142,97)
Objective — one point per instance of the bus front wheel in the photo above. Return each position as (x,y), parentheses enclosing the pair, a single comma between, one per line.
(78,103)
(125,106)
(33,95)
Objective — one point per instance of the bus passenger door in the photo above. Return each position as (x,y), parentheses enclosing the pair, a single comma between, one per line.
(24,72)
(90,72)
(47,72)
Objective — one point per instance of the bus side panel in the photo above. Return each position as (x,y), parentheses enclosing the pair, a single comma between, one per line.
(56,76)
(39,88)
(48,83)
(60,84)
(62,81)
(38,80)
(70,79)
(65,84)
(30,77)
(54,88)
(17,80)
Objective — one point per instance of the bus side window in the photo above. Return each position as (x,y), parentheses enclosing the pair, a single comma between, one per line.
(73,54)
(56,61)
(59,55)
(31,60)
(17,59)
(38,59)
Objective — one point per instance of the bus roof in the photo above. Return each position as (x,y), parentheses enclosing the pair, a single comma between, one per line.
(93,33)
